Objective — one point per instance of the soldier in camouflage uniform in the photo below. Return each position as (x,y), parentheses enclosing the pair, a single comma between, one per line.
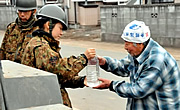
(19,33)
(42,52)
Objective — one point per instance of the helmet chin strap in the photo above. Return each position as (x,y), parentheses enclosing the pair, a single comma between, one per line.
(50,26)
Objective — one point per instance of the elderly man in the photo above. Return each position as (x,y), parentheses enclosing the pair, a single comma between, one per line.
(154,73)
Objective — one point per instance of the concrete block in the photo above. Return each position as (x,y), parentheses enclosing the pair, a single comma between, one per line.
(2,106)
(26,87)
(147,15)
(162,21)
(114,37)
(103,26)
(177,32)
(171,22)
(177,42)
(147,21)
(178,21)
(171,33)
(177,15)
(165,41)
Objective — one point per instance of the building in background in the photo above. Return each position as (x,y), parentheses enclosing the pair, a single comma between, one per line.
(87,12)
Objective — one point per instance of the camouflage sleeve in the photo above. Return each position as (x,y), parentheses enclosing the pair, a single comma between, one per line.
(4,41)
(10,27)
(67,69)
(74,82)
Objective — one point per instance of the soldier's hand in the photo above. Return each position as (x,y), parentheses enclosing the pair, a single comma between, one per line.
(90,53)
(85,82)
(1,55)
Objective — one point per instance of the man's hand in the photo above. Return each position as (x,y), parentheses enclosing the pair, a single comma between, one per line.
(102,60)
(105,83)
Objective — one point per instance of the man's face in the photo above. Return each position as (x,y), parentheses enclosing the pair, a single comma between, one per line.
(133,50)
(24,15)
(57,31)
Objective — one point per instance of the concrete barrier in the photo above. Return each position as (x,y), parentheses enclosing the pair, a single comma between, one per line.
(26,87)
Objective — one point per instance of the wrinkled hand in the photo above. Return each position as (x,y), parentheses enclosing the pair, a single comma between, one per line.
(90,53)
(102,60)
(105,83)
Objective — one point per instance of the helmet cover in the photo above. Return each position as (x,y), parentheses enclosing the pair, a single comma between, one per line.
(26,5)
(53,11)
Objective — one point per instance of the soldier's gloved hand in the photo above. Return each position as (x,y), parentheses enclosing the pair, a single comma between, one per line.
(90,53)
(1,55)
(85,82)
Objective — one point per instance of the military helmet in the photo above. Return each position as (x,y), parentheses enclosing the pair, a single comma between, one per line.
(53,11)
(26,5)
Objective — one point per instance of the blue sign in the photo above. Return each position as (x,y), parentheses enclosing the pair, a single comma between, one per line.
(134,27)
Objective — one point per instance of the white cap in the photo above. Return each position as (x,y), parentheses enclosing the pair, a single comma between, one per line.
(136,32)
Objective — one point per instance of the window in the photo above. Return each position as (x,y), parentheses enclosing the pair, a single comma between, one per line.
(51,1)
(162,1)
(5,2)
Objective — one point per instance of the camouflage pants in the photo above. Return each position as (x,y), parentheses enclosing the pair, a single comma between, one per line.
(65,97)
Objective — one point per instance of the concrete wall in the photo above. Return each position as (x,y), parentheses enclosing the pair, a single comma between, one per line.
(163,20)
(7,15)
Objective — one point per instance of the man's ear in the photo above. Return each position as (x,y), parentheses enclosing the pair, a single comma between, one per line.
(46,26)
(34,12)
(140,45)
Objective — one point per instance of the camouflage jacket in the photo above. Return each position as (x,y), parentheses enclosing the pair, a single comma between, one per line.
(15,41)
(42,52)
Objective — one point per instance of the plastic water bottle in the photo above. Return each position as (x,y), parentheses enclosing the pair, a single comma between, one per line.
(92,72)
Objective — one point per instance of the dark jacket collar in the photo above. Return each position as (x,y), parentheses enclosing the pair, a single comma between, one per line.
(48,37)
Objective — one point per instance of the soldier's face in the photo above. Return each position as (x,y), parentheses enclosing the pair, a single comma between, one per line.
(24,15)
(57,31)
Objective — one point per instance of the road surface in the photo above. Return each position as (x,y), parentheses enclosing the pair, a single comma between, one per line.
(91,99)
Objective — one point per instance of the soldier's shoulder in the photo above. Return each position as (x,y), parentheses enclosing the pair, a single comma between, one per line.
(35,41)
(11,25)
